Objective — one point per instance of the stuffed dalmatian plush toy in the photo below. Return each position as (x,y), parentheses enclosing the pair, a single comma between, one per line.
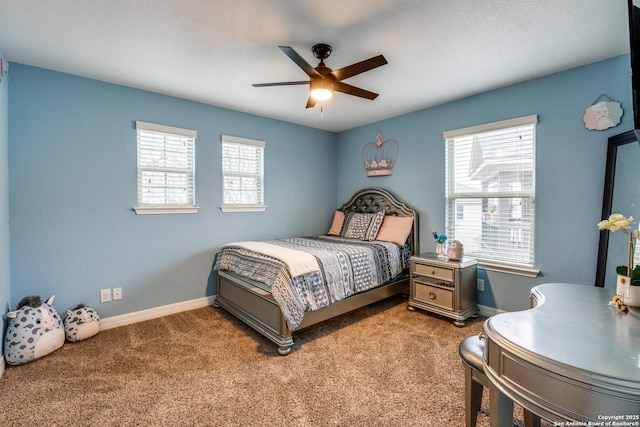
(81,323)
(35,330)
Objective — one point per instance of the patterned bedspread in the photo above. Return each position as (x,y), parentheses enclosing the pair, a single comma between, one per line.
(347,267)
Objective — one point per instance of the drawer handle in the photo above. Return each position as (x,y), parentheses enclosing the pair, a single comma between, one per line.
(432,295)
(433,272)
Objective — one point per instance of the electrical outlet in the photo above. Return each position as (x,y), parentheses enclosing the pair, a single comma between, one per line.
(117,293)
(480,285)
(105,295)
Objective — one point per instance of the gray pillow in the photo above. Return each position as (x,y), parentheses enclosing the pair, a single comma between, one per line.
(363,226)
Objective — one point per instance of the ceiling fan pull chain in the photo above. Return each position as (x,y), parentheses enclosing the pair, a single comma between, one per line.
(321,111)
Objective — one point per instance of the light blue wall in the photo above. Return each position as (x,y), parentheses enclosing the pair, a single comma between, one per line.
(72,175)
(72,183)
(569,173)
(5,286)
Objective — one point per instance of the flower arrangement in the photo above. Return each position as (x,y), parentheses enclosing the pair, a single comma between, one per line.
(440,238)
(440,241)
(617,222)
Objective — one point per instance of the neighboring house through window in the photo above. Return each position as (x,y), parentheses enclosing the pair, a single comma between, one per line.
(243,174)
(490,176)
(166,169)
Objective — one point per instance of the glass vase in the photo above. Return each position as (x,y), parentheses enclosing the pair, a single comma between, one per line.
(440,250)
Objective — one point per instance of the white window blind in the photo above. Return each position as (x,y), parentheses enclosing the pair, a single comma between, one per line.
(243,174)
(166,169)
(490,191)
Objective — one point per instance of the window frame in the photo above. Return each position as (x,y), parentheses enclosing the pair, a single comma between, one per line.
(244,207)
(485,261)
(166,208)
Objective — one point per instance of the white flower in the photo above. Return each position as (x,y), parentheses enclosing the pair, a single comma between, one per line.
(616,222)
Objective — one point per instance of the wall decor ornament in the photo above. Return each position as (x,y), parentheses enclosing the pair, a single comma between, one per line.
(602,115)
(379,158)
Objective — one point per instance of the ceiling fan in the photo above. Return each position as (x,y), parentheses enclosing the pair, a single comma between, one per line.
(323,80)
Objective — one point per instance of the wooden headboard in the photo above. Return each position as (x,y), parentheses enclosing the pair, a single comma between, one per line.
(372,200)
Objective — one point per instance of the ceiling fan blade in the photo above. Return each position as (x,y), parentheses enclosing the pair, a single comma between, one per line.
(352,90)
(303,82)
(311,102)
(306,67)
(359,67)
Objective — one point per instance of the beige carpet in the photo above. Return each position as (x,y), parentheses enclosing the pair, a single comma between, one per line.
(378,366)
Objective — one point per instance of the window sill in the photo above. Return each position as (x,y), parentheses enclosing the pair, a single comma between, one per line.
(239,208)
(164,211)
(509,269)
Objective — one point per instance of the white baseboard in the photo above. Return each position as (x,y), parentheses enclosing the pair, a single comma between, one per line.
(1,366)
(154,313)
(488,311)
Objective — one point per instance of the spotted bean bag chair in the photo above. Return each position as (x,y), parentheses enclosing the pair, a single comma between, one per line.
(81,323)
(34,331)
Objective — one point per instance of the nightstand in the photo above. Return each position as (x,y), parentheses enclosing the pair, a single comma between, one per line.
(444,287)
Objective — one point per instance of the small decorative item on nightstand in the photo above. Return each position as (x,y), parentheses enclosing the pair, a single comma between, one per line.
(455,250)
(441,240)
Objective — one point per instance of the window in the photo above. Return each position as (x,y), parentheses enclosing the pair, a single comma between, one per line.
(166,169)
(490,176)
(242,174)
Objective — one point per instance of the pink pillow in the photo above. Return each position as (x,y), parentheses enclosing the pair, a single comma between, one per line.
(395,229)
(336,226)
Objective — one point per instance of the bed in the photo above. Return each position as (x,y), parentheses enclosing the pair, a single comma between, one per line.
(256,293)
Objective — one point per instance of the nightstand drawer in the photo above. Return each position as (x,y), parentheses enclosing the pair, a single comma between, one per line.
(433,295)
(430,270)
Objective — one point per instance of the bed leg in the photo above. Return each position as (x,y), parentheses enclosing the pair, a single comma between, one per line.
(215,303)
(283,350)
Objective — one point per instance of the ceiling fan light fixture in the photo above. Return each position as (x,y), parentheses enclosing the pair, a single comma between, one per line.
(321,89)
(321,94)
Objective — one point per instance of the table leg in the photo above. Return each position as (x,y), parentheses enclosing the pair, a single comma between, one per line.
(500,408)
(531,419)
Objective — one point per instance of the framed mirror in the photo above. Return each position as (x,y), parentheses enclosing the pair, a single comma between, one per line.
(621,195)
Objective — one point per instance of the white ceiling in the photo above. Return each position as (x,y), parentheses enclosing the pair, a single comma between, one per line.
(212,51)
